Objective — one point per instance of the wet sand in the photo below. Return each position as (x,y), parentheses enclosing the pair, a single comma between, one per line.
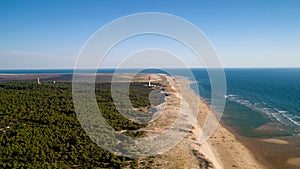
(275,152)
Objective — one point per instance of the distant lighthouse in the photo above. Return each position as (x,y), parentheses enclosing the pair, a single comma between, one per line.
(149,83)
(38,80)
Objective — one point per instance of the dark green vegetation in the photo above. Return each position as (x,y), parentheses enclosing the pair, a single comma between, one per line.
(39,128)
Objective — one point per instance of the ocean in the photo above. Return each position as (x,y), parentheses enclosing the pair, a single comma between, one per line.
(259,102)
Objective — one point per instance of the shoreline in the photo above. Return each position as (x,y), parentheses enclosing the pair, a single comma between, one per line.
(222,149)
(266,152)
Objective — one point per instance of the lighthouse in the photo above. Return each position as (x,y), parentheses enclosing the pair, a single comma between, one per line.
(38,80)
(149,83)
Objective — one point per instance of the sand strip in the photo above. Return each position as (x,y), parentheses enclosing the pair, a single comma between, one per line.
(275,141)
(222,150)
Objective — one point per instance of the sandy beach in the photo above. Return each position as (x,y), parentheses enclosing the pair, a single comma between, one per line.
(222,150)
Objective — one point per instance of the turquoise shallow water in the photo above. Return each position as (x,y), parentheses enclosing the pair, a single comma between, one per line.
(255,97)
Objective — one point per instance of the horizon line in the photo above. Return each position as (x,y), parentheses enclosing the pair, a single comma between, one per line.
(68,68)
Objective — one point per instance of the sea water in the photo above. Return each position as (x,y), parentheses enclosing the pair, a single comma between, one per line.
(259,97)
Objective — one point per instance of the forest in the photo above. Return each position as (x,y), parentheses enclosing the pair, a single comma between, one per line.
(40,129)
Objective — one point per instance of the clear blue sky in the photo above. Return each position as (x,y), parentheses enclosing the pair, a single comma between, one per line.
(50,34)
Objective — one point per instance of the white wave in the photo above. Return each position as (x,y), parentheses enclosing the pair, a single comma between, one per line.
(280,111)
(280,116)
(291,118)
(295,122)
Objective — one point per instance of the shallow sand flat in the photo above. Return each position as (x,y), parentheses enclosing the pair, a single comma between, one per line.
(272,155)
(269,128)
(294,161)
(275,141)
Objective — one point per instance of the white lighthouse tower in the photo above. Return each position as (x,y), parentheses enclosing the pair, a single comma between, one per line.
(149,83)
(38,80)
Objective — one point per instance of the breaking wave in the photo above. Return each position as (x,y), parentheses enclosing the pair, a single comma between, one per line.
(286,120)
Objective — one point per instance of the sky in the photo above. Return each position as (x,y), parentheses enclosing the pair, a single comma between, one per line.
(50,34)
